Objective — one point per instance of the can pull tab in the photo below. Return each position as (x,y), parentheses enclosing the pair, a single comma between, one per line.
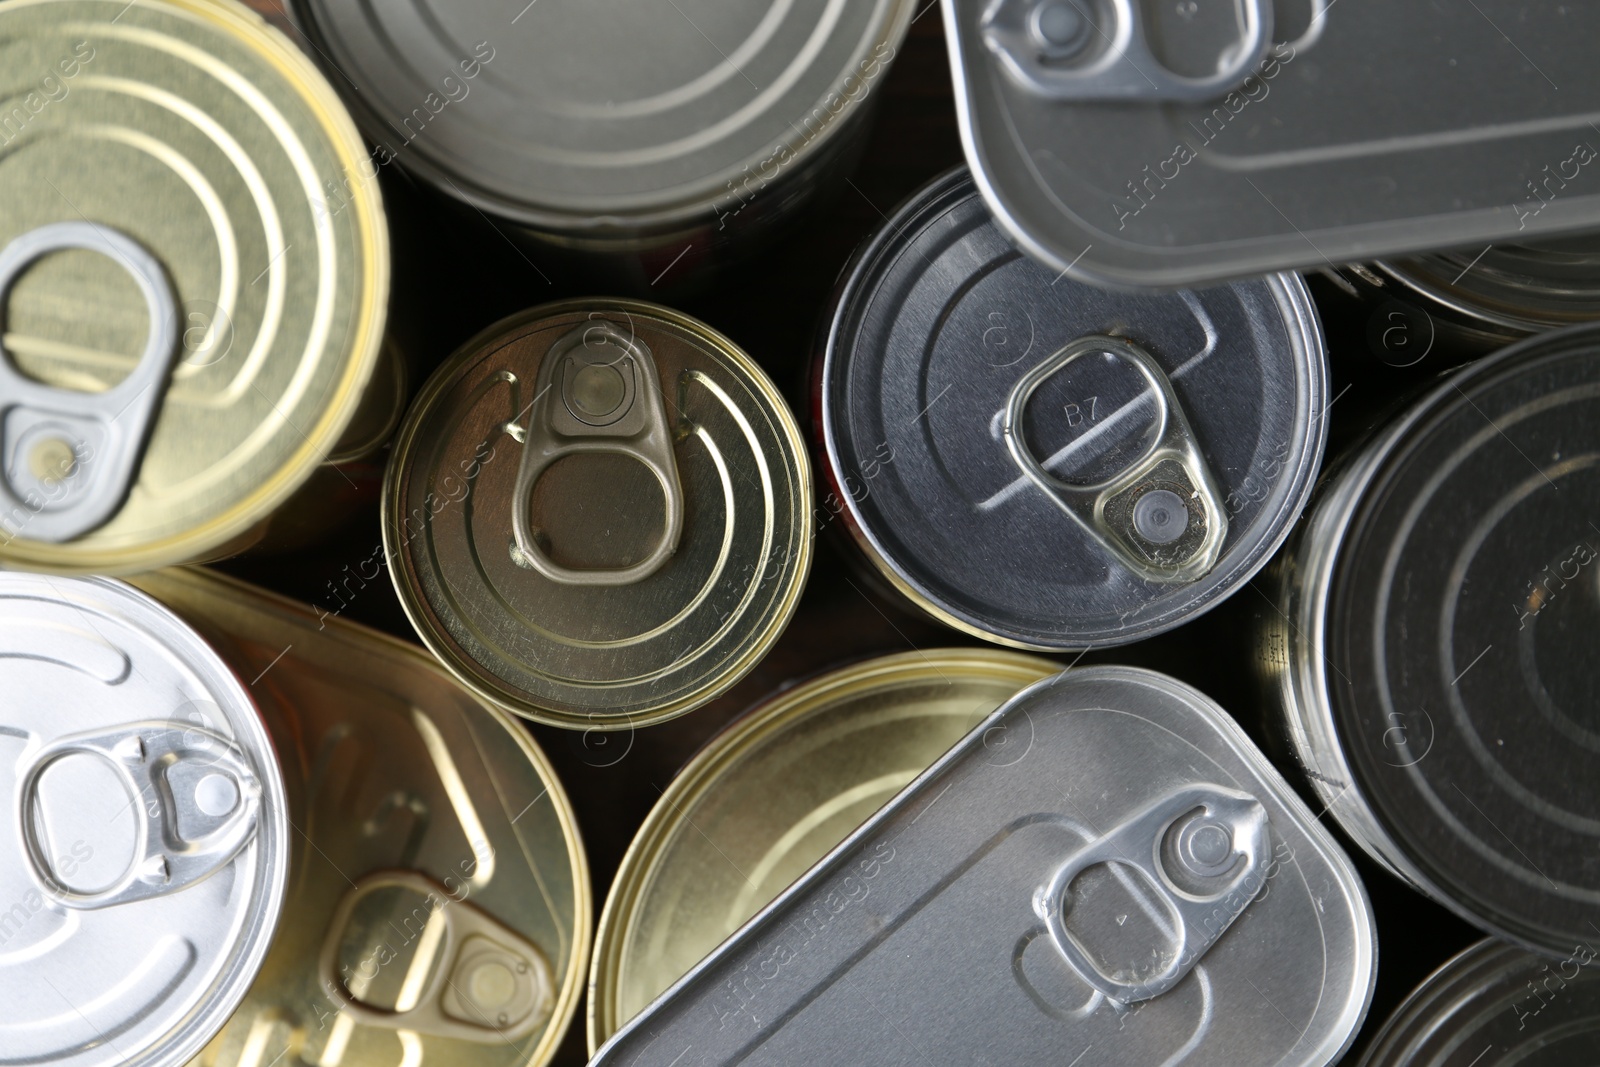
(1162,514)
(475,979)
(1100,49)
(68,458)
(597,392)
(195,802)
(1203,853)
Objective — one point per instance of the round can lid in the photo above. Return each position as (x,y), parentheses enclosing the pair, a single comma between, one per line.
(1527,288)
(775,792)
(1459,628)
(603,114)
(1495,1005)
(997,485)
(146,830)
(193,276)
(597,514)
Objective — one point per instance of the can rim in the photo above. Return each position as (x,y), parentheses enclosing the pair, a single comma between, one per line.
(724,750)
(1405,272)
(252,31)
(1301,321)
(415,603)
(599,224)
(1303,688)
(1490,955)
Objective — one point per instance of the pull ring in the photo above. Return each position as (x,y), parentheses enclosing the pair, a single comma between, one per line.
(224,802)
(68,458)
(1162,515)
(1100,50)
(597,392)
(1204,871)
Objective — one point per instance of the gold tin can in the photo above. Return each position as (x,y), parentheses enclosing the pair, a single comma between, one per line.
(596,514)
(190,324)
(772,794)
(439,907)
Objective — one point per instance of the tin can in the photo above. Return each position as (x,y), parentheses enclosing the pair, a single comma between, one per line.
(1430,651)
(649,135)
(595,514)
(147,829)
(190,322)
(1495,1005)
(440,906)
(772,794)
(1104,863)
(1048,465)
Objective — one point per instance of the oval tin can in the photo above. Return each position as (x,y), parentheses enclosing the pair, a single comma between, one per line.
(1431,647)
(146,829)
(596,516)
(1105,866)
(190,325)
(440,906)
(648,134)
(1048,465)
(769,796)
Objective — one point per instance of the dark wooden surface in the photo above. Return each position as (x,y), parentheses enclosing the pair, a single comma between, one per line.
(455,276)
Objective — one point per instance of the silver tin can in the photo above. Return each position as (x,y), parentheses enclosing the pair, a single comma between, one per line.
(146,830)
(1049,465)
(1434,645)
(1106,863)
(636,132)
(1495,1005)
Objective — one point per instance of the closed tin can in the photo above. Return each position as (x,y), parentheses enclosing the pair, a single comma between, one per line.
(146,829)
(1048,465)
(1431,653)
(190,324)
(595,514)
(768,797)
(1106,863)
(440,907)
(652,135)
(1495,1005)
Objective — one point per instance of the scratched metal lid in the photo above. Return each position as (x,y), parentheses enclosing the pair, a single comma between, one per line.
(1105,868)
(190,315)
(1165,144)
(603,116)
(1519,288)
(1447,594)
(440,910)
(770,796)
(598,514)
(1050,465)
(1495,1005)
(145,830)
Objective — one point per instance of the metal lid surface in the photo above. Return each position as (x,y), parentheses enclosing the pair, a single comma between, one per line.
(770,796)
(197,268)
(440,909)
(1495,1005)
(1453,594)
(1310,134)
(1105,863)
(145,830)
(597,514)
(965,444)
(1522,287)
(601,115)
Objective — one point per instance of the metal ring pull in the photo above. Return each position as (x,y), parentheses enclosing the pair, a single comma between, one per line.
(597,392)
(477,979)
(222,799)
(1100,50)
(1204,870)
(1162,514)
(68,459)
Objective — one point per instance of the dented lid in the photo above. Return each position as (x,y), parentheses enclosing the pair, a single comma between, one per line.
(1106,863)
(144,836)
